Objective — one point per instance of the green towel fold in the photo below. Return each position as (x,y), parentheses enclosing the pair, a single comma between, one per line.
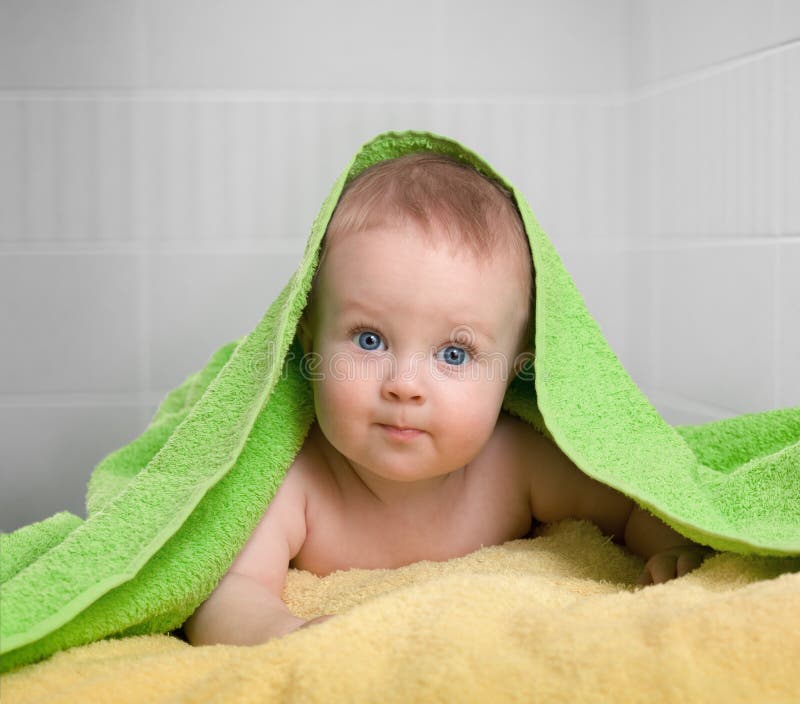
(168,513)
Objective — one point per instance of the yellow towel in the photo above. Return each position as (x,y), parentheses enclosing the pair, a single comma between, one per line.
(551,619)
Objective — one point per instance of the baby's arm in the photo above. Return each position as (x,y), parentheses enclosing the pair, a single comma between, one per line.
(246,606)
(560,490)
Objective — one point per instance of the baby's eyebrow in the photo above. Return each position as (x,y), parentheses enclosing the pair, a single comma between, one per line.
(351,306)
(462,327)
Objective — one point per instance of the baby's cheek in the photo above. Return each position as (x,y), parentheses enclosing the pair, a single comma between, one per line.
(471,416)
(342,415)
(338,399)
(478,399)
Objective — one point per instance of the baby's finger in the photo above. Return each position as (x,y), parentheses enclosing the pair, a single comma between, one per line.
(662,568)
(689,561)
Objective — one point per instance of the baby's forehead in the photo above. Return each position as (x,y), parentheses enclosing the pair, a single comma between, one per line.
(470,270)
(437,237)
(461,258)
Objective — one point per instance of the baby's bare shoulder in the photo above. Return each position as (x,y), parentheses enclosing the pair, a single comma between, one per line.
(552,479)
(511,447)
(279,534)
(558,488)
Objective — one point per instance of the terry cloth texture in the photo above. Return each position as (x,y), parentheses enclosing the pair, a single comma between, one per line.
(552,619)
(168,513)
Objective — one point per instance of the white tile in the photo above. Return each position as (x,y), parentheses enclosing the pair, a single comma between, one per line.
(12,188)
(714,332)
(83,44)
(70,322)
(788,337)
(90,170)
(39,173)
(199,302)
(787,20)
(713,151)
(790,205)
(642,164)
(310,46)
(68,167)
(424,48)
(573,46)
(681,36)
(639,45)
(47,454)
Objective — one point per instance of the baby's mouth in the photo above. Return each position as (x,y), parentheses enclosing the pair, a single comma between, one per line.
(401,433)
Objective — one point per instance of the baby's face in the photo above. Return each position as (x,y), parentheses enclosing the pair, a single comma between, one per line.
(411,336)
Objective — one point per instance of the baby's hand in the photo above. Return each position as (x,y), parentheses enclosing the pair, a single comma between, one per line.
(318,619)
(672,563)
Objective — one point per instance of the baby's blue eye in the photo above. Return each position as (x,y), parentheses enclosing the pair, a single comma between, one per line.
(368,340)
(454,355)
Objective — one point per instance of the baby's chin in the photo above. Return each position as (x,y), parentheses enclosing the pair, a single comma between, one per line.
(397,461)
(410,473)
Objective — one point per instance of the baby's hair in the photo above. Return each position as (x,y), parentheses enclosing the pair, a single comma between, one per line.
(431,188)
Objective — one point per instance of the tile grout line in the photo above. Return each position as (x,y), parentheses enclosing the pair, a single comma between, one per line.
(662,85)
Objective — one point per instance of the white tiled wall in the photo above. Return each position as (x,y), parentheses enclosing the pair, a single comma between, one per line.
(161,163)
(714,109)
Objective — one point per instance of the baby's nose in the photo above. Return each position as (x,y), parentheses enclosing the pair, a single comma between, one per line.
(403,395)
(403,381)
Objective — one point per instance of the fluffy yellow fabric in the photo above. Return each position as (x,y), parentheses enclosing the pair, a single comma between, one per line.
(554,619)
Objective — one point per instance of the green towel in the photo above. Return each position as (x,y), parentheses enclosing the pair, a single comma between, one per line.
(168,513)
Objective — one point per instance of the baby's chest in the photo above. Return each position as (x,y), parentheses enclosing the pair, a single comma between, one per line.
(340,539)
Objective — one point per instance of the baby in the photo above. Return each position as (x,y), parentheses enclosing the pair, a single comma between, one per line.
(418,320)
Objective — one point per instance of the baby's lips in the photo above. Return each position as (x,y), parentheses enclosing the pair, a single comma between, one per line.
(401,426)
